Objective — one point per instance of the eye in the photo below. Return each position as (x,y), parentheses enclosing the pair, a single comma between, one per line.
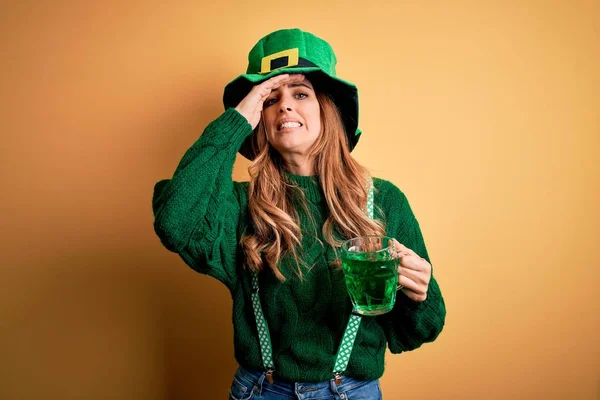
(301,95)
(270,102)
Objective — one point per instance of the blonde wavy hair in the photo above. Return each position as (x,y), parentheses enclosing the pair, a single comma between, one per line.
(273,199)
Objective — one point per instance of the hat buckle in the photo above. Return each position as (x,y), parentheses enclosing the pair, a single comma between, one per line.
(282,59)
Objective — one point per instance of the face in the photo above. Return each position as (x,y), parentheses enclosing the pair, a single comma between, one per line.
(291,115)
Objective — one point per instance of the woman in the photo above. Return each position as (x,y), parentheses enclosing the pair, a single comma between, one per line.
(272,241)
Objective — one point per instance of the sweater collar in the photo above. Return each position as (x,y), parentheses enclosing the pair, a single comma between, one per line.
(308,184)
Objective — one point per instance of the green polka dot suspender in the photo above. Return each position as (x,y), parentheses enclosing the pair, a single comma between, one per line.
(264,339)
(345,349)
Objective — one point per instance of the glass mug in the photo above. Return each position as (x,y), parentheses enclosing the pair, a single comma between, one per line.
(371,273)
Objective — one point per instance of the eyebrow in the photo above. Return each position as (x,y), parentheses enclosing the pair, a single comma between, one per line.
(296,84)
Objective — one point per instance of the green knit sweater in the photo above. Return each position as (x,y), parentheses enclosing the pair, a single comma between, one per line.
(201,214)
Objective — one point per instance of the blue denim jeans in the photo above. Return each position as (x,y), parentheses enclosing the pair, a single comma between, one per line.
(252,385)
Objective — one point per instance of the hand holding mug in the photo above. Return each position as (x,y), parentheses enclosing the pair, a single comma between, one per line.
(414,273)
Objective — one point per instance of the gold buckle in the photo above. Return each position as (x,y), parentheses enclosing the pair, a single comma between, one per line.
(270,376)
(338,378)
(291,54)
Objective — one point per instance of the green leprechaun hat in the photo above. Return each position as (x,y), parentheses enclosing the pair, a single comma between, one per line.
(296,51)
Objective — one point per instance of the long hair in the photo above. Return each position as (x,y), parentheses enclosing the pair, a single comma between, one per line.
(273,200)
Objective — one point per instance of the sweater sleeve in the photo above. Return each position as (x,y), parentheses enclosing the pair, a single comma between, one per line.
(410,323)
(197,211)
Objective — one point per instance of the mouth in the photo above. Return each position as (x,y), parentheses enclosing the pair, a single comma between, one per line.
(288,124)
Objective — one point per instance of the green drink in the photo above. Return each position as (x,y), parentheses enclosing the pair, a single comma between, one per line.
(371,274)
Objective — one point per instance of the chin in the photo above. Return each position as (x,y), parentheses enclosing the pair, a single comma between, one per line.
(287,147)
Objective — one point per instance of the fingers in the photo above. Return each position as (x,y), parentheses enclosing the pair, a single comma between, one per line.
(413,272)
(414,276)
(407,284)
(402,248)
(409,259)
(251,106)
(261,91)
(412,290)
(277,81)
(414,263)
(419,277)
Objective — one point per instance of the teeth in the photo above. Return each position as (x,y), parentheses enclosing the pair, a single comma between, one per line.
(290,125)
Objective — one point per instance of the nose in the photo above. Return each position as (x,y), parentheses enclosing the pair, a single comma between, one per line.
(285,103)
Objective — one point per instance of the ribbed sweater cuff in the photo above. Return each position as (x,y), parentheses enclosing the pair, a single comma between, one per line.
(230,129)
(407,305)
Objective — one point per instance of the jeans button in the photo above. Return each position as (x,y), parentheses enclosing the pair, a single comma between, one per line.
(343,396)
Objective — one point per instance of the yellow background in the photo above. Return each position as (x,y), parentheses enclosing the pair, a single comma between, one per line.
(486,114)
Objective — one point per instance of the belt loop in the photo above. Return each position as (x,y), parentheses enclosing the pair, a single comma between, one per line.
(333,387)
(258,387)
